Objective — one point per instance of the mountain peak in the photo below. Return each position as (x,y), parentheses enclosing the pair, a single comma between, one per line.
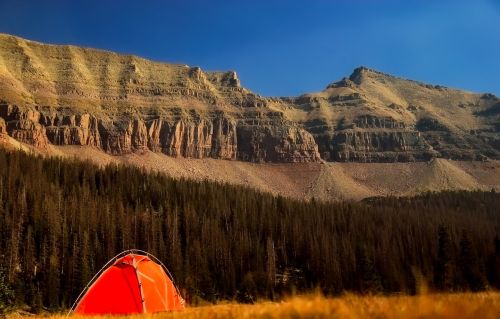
(358,74)
(357,77)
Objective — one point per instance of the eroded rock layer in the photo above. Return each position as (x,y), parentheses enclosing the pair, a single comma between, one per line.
(216,135)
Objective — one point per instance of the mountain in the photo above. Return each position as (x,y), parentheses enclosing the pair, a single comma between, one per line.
(372,116)
(65,95)
(71,101)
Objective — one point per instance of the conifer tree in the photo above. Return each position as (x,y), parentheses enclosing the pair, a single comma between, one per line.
(6,292)
(468,265)
(444,265)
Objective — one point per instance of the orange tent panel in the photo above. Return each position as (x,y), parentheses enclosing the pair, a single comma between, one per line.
(165,295)
(132,284)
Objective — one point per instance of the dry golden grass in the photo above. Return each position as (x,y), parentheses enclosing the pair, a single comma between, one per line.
(465,305)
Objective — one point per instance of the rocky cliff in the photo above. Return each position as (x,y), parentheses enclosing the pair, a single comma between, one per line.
(255,137)
(65,95)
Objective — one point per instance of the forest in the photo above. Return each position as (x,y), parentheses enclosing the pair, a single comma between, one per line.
(61,220)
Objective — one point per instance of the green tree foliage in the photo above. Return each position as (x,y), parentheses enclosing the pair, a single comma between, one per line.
(469,265)
(61,220)
(6,292)
(369,279)
(444,275)
(494,265)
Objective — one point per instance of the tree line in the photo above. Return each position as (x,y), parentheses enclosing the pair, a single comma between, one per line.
(61,220)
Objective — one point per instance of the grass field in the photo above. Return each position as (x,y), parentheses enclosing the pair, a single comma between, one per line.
(465,305)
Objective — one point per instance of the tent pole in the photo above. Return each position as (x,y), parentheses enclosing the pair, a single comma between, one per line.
(143,301)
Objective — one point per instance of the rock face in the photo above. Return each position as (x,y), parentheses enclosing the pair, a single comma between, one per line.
(24,126)
(71,129)
(372,139)
(216,136)
(65,95)
(275,140)
(3,126)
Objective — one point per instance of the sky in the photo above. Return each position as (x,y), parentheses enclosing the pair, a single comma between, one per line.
(283,47)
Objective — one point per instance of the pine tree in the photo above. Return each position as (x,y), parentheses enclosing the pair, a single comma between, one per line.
(444,275)
(468,265)
(271,264)
(369,278)
(494,264)
(6,292)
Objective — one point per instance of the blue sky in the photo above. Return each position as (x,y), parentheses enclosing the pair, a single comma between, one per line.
(282,48)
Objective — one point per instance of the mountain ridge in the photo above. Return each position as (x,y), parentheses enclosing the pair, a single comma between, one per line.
(103,106)
(66,95)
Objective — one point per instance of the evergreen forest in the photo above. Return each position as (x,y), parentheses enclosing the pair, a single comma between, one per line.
(61,220)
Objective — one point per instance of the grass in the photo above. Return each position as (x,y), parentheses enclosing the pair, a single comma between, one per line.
(465,305)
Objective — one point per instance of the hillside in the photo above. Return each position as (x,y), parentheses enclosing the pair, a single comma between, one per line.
(71,101)
(326,181)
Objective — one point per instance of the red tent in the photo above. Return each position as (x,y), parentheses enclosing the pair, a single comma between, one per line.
(132,282)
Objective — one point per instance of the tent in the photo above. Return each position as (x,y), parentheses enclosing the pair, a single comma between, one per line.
(132,282)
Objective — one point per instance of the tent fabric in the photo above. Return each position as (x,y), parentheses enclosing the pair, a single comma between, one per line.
(132,284)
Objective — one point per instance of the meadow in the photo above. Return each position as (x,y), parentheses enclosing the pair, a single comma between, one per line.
(460,305)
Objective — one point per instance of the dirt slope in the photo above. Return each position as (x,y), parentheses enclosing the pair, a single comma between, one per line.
(325,181)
